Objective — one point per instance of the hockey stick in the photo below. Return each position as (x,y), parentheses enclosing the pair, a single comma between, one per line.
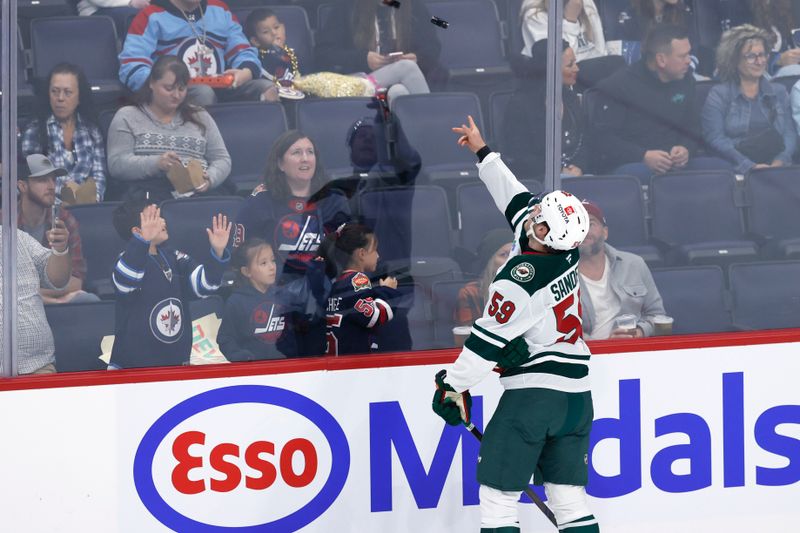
(529,491)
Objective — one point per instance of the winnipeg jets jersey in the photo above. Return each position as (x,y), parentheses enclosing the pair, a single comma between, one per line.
(535,296)
(354,309)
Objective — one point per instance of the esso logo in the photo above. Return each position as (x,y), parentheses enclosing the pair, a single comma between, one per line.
(242,458)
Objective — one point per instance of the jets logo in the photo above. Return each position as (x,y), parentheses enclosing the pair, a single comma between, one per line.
(166,320)
(523,272)
(268,322)
(360,282)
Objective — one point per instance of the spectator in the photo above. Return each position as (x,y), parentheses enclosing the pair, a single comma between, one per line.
(525,118)
(35,216)
(267,34)
(355,308)
(281,210)
(37,267)
(747,119)
(582,29)
(153,283)
(493,252)
(120,11)
(613,283)
(361,39)
(202,34)
(162,130)
(647,118)
(66,131)
(255,320)
(778,18)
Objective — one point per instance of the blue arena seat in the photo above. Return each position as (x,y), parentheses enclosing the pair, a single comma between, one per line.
(775,197)
(472,45)
(249,129)
(328,122)
(100,245)
(90,42)
(78,330)
(425,121)
(411,221)
(766,295)
(498,103)
(298,32)
(620,198)
(187,220)
(477,213)
(696,216)
(696,298)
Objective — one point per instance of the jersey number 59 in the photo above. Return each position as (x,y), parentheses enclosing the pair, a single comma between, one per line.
(567,322)
(500,310)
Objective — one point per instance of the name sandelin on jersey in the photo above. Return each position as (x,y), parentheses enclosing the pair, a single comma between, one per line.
(533,295)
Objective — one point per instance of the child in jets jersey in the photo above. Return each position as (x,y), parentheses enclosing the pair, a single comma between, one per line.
(531,330)
(153,283)
(355,307)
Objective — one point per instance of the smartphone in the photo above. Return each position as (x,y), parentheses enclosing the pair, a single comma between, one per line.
(796,37)
(54,212)
(395,55)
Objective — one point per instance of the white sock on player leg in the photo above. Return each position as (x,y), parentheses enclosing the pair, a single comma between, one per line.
(498,507)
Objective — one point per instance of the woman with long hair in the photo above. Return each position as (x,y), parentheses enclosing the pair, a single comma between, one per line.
(582,29)
(746,118)
(65,129)
(524,136)
(282,211)
(163,130)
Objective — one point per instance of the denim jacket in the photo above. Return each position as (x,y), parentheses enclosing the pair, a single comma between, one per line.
(726,119)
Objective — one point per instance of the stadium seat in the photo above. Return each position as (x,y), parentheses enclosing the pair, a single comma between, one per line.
(328,122)
(696,217)
(25,96)
(413,229)
(614,14)
(188,218)
(787,81)
(696,298)
(472,47)
(249,129)
(702,88)
(90,42)
(620,198)
(444,301)
(477,213)
(100,245)
(775,197)
(425,121)
(766,295)
(498,103)
(78,330)
(298,32)
(323,12)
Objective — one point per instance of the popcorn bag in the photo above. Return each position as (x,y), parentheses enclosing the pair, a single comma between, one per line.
(74,194)
(186,178)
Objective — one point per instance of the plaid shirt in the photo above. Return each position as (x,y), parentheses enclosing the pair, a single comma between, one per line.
(35,346)
(87,159)
(74,242)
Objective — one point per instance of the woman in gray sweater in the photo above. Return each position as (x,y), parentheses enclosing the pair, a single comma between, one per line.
(145,140)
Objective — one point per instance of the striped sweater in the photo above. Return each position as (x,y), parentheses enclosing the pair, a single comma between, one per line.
(162,29)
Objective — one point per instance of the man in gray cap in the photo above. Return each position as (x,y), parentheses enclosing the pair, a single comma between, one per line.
(36,211)
(37,266)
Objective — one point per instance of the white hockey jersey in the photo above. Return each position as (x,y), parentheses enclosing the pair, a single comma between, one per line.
(534,295)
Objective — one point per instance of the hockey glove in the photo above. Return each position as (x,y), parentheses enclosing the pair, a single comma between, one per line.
(454,407)
(514,354)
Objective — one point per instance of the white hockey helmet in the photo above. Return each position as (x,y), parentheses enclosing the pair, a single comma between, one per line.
(566,217)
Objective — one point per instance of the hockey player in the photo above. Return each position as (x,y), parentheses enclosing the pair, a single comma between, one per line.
(153,283)
(531,329)
(355,307)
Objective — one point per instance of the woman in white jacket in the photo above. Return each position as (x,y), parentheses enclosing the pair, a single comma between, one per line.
(581,28)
